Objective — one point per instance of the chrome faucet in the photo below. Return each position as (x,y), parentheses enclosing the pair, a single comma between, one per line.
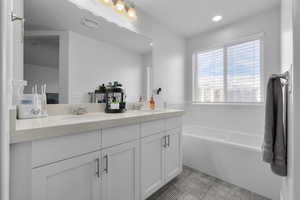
(79,110)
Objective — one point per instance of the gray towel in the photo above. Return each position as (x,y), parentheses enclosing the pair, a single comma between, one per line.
(274,146)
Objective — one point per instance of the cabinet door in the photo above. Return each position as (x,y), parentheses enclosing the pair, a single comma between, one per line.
(121,172)
(173,154)
(152,164)
(77,179)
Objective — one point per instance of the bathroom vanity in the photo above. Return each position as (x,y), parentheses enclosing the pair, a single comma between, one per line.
(96,156)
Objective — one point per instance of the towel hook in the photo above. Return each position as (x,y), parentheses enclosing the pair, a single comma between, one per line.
(286,77)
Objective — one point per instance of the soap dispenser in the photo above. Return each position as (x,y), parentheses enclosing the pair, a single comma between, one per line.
(152,103)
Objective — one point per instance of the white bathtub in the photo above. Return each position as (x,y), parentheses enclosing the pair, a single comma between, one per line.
(231,156)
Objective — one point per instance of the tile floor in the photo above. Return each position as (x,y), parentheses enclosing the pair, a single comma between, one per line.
(194,185)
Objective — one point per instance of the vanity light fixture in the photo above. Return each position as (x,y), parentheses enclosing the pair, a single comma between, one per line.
(125,7)
(120,6)
(107,2)
(131,12)
(217,18)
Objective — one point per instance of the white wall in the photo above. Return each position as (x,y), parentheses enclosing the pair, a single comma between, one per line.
(41,62)
(290,61)
(43,52)
(18,54)
(242,118)
(7,72)
(147,75)
(34,74)
(168,53)
(92,63)
(296,101)
(168,63)
(287,189)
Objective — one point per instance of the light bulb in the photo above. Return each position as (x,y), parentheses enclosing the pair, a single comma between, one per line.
(107,2)
(131,13)
(217,18)
(120,6)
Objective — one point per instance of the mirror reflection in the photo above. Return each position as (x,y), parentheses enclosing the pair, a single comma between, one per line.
(74,53)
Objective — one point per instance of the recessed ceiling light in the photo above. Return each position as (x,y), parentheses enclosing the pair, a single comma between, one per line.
(217,18)
(151,44)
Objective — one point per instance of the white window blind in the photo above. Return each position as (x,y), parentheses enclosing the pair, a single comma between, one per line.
(211,76)
(230,74)
(243,73)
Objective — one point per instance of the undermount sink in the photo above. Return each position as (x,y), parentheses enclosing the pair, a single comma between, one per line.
(83,116)
(106,115)
(151,111)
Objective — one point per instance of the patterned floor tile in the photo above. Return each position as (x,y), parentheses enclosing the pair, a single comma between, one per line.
(257,197)
(194,185)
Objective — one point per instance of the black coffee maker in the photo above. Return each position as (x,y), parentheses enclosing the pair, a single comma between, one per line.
(115,98)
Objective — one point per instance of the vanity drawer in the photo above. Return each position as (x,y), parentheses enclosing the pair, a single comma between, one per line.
(152,127)
(119,135)
(60,148)
(174,122)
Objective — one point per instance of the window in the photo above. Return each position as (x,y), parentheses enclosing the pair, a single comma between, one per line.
(231,74)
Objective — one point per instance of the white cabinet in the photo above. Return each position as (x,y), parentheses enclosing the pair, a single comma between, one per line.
(61,148)
(120,135)
(173,164)
(152,164)
(110,174)
(121,172)
(152,127)
(77,179)
(127,162)
(161,160)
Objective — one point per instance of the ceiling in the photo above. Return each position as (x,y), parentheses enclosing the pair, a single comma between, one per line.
(64,15)
(186,17)
(189,17)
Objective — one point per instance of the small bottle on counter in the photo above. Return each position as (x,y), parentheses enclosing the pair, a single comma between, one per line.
(140,104)
(152,103)
(141,99)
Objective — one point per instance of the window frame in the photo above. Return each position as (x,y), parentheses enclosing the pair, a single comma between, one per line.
(224,47)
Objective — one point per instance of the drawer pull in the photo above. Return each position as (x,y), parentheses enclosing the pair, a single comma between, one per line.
(165,145)
(106,164)
(98,167)
(168,143)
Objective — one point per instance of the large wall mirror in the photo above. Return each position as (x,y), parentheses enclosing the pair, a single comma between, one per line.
(73,52)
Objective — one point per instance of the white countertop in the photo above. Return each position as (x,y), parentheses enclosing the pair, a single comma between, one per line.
(52,126)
